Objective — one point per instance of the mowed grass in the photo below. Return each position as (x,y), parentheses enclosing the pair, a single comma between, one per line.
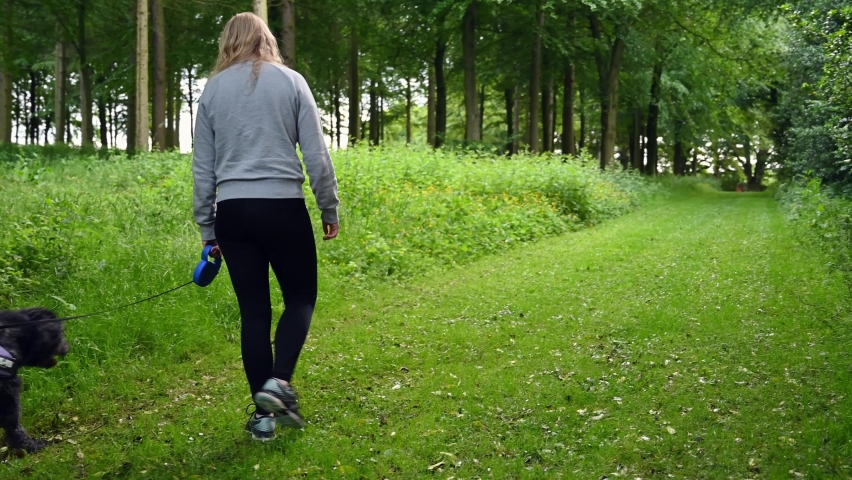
(694,338)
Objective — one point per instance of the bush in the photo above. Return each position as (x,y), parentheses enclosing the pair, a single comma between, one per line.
(824,217)
(404,211)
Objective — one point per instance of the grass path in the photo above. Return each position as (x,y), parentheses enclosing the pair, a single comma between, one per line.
(695,338)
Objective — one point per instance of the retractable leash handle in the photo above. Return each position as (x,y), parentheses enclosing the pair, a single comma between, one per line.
(206,271)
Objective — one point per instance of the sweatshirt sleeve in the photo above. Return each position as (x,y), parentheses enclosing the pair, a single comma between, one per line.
(315,154)
(204,176)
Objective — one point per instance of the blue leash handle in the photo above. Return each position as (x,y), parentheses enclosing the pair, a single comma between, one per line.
(206,271)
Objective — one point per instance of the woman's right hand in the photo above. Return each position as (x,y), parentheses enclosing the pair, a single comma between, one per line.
(331,230)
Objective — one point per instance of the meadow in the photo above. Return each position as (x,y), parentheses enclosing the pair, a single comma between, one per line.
(479,317)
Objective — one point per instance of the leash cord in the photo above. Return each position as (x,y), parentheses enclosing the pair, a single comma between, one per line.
(109,310)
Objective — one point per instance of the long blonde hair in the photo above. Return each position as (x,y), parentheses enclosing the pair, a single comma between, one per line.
(246,38)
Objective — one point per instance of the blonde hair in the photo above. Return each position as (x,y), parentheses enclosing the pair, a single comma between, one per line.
(246,38)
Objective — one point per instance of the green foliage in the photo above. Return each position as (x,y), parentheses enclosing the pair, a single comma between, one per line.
(823,217)
(407,210)
(404,211)
(817,110)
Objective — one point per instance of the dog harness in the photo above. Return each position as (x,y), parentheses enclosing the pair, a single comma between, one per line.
(8,365)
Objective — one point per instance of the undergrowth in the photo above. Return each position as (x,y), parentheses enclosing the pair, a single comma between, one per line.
(404,211)
(823,217)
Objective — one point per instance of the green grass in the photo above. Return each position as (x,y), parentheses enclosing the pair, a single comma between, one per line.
(696,337)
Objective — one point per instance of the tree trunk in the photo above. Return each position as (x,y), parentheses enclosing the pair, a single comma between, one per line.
(381,113)
(582,142)
(288,33)
(653,118)
(170,113)
(173,110)
(636,153)
(178,107)
(102,120)
(142,121)
(608,73)
(190,105)
(158,45)
(547,116)
(374,114)
(509,96)
(472,130)
(17,108)
(87,127)
(33,120)
(759,169)
(441,88)
(430,108)
(481,111)
(259,9)
(554,118)
(337,114)
(60,81)
(130,128)
(407,110)
(354,89)
(6,104)
(516,121)
(535,84)
(568,147)
(111,123)
(6,78)
(746,161)
(679,164)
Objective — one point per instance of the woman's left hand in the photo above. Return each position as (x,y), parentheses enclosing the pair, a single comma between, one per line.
(215,253)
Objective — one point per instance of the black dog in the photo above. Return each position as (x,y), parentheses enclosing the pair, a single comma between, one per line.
(30,345)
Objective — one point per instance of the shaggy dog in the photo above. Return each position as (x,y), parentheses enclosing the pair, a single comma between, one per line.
(34,345)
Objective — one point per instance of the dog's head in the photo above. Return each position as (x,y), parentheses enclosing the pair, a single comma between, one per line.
(41,342)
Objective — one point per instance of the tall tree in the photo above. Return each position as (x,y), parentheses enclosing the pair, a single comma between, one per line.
(142,121)
(430,107)
(473,132)
(6,78)
(288,33)
(547,110)
(408,102)
(441,92)
(60,79)
(354,87)
(535,83)
(159,50)
(637,155)
(87,127)
(259,9)
(608,73)
(653,118)
(568,147)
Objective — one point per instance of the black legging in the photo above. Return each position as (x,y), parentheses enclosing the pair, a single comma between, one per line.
(254,233)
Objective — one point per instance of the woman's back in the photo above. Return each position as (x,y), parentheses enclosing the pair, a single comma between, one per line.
(246,136)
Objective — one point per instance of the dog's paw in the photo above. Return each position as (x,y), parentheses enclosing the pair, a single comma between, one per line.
(29,445)
(36,445)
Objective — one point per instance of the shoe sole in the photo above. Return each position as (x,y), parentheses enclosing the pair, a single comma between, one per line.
(290,420)
(283,416)
(260,439)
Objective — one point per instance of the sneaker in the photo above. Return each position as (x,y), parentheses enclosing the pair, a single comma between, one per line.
(261,429)
(282,401)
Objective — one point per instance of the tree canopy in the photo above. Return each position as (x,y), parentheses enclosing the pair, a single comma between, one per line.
(732,87)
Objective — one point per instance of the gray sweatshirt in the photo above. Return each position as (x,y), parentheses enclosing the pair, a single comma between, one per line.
(245,142)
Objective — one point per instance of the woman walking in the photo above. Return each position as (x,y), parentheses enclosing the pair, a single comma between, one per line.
(248,200)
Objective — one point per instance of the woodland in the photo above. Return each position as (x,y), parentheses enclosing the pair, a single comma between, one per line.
(736,88)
